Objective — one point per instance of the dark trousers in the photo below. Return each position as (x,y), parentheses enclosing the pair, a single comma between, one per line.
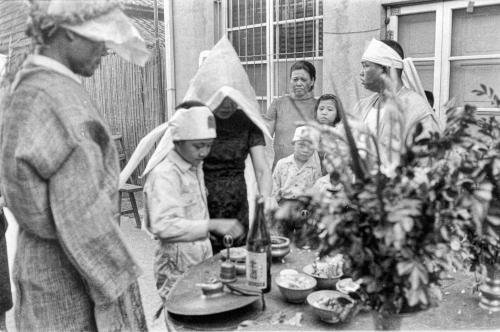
(5,291)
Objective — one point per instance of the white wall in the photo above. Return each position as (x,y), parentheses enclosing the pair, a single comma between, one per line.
(193,33)
(348,24)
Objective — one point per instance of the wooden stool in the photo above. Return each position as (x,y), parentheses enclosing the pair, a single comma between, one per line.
(122,157)
(128,188)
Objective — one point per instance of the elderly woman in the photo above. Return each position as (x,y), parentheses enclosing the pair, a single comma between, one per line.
(282,114)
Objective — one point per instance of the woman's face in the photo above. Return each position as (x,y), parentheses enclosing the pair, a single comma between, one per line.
(226,109)
(300,83)
(327,112)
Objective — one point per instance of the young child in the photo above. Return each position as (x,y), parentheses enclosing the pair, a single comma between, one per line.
(298,172)
(176,202)
(294,176)
(327,112)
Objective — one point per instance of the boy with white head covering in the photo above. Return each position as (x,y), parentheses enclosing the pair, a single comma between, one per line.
(384,68)
(59,170)
(176,201)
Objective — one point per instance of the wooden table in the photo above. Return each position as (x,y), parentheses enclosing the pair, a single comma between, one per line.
(458,310)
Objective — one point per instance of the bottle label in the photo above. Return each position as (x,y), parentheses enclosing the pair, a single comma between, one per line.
(257,269)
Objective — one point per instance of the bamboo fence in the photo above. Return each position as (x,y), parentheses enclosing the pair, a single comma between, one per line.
(130,98)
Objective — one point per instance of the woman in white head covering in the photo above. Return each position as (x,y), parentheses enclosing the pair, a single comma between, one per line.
(222,83)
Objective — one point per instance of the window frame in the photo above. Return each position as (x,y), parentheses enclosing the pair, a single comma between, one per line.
(271,26)
(442,53)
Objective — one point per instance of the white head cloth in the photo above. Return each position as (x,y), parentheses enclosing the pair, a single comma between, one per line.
(192,124)
(186,124)
(382,54)
(220,75)
(113,27)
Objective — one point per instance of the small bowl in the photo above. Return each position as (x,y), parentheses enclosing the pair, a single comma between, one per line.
(238,254)
(323,281)
(342,306)
(280,246)
(295,287)
(211,289)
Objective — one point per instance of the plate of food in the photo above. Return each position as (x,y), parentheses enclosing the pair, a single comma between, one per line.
(332,306)
(295,286)
(326,273)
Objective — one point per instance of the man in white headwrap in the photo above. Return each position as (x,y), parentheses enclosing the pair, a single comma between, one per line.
(398,103)
(59,170)
(176,201)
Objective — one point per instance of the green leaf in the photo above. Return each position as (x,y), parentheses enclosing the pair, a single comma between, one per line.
(435,292)
(412,296)
(483,87)
(494,220)
(407,224)
(404,268)
(455,244)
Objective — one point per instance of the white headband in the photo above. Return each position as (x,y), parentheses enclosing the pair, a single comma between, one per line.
(382,54)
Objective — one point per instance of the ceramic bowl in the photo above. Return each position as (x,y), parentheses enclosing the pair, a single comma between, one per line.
(295,287)
(331,306)
(238,254)
(280,246)
(324,282)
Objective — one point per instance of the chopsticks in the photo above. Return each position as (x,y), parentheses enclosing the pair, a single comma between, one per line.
(247,292)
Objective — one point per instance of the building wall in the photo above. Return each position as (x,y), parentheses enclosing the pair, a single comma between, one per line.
(193,32)
(348,25)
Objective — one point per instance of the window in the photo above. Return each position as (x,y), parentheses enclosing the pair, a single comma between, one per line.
(455,46)
(270,35)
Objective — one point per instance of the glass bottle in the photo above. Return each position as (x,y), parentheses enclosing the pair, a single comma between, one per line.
(258,262)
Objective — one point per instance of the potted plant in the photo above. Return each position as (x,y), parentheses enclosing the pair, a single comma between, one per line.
(398,223)
(481,196)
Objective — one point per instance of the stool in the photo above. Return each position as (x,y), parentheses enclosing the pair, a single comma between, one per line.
(122,157)
(128,188)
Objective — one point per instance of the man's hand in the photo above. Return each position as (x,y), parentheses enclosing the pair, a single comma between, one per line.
(226,226)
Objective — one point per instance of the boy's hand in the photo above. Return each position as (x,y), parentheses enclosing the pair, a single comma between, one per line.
(226,226)
(270,205)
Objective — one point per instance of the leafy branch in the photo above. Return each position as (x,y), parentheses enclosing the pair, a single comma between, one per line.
(490,93)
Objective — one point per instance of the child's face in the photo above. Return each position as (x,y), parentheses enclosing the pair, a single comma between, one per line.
(303,150)
(194,151)
(327,112)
